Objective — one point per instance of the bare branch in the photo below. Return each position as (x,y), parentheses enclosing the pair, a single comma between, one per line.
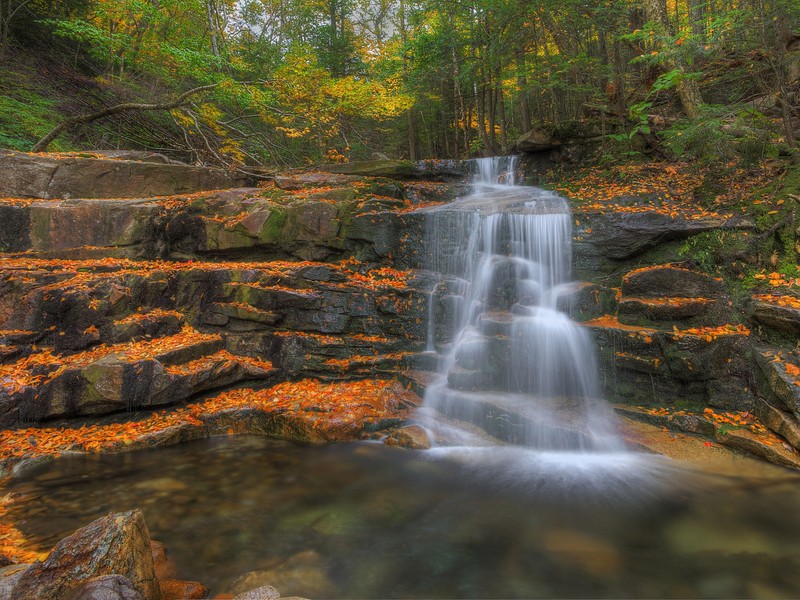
(71,122)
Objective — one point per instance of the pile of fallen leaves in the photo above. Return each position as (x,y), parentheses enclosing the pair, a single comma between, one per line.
(674,182)
(776,279)
(710,333)
(44,365)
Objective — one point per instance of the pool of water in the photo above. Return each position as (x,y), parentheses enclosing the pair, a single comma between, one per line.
(367,521)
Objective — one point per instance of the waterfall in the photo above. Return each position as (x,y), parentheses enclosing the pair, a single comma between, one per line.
(514,369)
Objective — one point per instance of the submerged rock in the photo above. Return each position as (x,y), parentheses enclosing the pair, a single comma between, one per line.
(301,574)
(411,436)
(108,587)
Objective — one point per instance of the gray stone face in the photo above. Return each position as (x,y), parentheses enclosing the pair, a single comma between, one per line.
(54,176)
(619,235)
(774,316)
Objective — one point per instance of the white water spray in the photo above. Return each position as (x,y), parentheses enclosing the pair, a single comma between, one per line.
(517,369)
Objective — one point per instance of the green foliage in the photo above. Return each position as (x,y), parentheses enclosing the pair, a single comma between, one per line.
(711,250)
(721,134)
(25,114)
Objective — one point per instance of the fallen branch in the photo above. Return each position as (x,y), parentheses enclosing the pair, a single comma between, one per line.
(71,122)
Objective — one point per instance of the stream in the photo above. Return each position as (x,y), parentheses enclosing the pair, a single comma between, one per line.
(366,521)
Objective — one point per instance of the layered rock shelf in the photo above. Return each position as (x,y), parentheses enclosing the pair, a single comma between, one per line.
(154,298)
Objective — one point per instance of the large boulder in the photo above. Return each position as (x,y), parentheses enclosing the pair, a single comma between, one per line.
(117,544)
(671,281)
(620,234)
(76,176)
(536,140)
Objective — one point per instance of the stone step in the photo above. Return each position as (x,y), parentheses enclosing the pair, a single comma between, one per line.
(778,312)
(708,363)
(125,376)
(149,324)
(779,379)
(668,281)
(646,311)
(324,355)
(235,316)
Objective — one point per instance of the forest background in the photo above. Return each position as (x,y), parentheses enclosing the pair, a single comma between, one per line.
(297,82)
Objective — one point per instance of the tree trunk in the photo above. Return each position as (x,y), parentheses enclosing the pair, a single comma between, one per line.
(212,26)
(697,17)
(522,84)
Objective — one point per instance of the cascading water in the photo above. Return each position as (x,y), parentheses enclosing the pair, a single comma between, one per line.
(517,370)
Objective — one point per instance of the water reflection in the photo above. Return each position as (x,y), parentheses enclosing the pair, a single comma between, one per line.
(366,521)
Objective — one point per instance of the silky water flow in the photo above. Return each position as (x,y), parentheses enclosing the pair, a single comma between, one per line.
(517,378)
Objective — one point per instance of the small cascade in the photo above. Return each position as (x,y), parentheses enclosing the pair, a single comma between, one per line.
(517,370)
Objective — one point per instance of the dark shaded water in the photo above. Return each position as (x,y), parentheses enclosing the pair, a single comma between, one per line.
(363,520)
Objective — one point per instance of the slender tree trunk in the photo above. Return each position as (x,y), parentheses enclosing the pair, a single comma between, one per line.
(501,111)
(697,17)
(782,33)
(212,26)
(412,130)
(522,85)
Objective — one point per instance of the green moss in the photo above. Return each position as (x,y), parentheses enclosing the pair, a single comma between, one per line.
(25,118)
(273,227)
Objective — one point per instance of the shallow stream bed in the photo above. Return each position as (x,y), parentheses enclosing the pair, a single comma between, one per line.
(366,521)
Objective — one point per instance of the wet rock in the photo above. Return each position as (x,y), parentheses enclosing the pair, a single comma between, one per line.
(15,229)
(108,587)
(9,576)
(775,316)
(620,235)
(661,310)
(583,300)
(645,365)
(412,436)
(671,281)
(54,176)
(174,589)
(163,565)
(782,422)
(116,544)
(776,382)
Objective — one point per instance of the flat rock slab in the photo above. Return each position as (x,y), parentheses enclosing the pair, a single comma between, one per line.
(671,281)
(746,435)
(621,235)
(74,176)
(781,313)
(432,170)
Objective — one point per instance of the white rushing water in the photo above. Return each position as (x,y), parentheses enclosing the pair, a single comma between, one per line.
(517,370)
